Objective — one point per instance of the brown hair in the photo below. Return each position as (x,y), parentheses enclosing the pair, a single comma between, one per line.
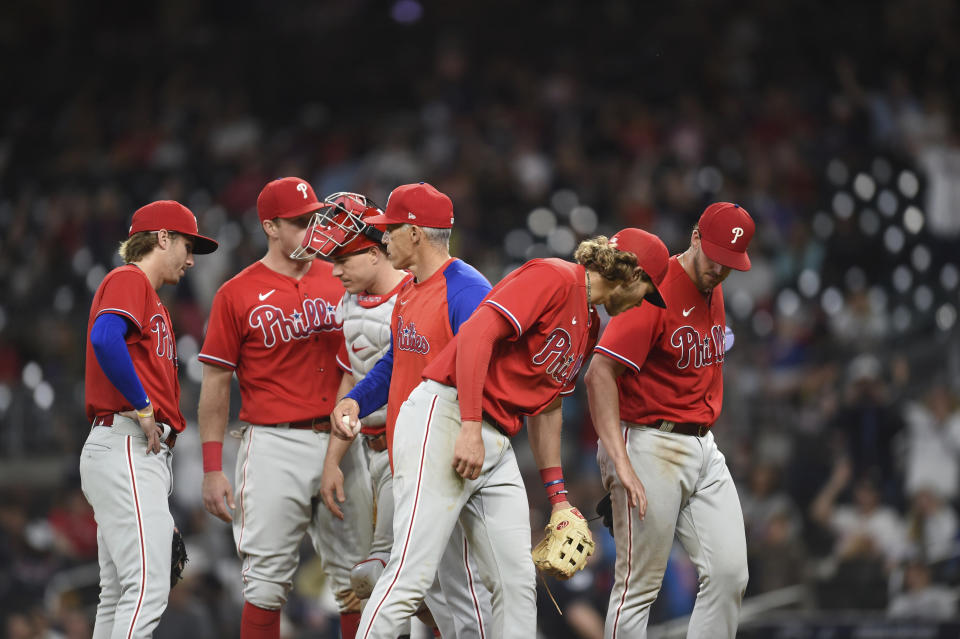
(138,246)
(597,255)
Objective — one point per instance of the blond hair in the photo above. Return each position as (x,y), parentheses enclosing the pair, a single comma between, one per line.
(138,246)
(598,255)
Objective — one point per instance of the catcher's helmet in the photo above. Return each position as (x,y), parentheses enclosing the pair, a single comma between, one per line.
(339,227)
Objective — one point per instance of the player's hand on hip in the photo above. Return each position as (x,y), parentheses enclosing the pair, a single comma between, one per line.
(636,495)
(217,495)
(149,427)
(331,489)
(345,419)
(468,452)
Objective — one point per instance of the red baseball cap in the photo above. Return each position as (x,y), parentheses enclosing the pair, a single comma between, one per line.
(419,204)
(286,197)
(725,232)
(171,216)
(652,256)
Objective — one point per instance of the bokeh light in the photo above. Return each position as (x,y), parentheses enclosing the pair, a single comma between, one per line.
(541,221)
(843,205)
(864,186)
(908,184)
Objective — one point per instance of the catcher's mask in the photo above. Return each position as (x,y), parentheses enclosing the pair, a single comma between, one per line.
(338,228)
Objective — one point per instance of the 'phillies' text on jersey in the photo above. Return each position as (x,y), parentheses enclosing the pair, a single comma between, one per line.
(697,351)
(318,315)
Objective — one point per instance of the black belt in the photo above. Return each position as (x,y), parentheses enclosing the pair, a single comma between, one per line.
(107,420)
(319,424)
(490,420)
(681,428)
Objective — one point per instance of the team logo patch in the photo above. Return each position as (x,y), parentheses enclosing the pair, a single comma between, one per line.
(165,346)
(555,356)
(409,340)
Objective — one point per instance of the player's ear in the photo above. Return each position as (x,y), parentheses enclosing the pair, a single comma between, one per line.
(269,227)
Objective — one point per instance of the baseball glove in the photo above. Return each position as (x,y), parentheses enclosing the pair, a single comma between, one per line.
(178,559)
(566,546)
(605,511)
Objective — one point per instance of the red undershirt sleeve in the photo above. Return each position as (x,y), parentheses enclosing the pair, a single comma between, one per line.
(474,348)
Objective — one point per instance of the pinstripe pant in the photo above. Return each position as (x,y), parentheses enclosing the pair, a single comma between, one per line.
(430,497)
(128,491)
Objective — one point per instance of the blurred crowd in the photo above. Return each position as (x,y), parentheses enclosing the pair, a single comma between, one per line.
(545,124)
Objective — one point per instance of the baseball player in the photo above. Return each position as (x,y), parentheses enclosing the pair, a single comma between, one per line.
(340,233)
(519,352)
(655,391)
(275,325)
(427,314)
(360,262)
(133,404)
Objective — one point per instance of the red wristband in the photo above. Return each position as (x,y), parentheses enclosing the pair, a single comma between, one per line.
(553,481)
(212,456)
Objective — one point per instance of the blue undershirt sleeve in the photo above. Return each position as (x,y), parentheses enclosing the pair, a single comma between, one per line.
(466,288)
(464,303)
(110,348)
(373,390)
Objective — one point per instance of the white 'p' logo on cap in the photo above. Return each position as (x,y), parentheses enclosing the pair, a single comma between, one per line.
(737,232)
(303,189)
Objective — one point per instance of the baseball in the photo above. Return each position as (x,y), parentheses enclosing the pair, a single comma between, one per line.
(354,428)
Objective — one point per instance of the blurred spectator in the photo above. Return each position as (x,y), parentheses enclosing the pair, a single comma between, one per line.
(864,527)
(775,547)
(869,541)
(932,527)
(763,500)
(869,424)
(186,615)
(73,526)
(922,599)
(583,599)
(777,557)
(933,443)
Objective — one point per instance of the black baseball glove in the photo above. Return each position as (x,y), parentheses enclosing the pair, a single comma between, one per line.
(178,559)
(605,511)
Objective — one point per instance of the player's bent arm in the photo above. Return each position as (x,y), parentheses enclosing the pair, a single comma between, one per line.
(372,392)
(107,337)
(484,329)
(212,415)
(544,432)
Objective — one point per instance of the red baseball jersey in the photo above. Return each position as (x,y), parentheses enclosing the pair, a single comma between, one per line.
(674,356)
(127,292)
(281,336)
(545,301)
(425,318)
